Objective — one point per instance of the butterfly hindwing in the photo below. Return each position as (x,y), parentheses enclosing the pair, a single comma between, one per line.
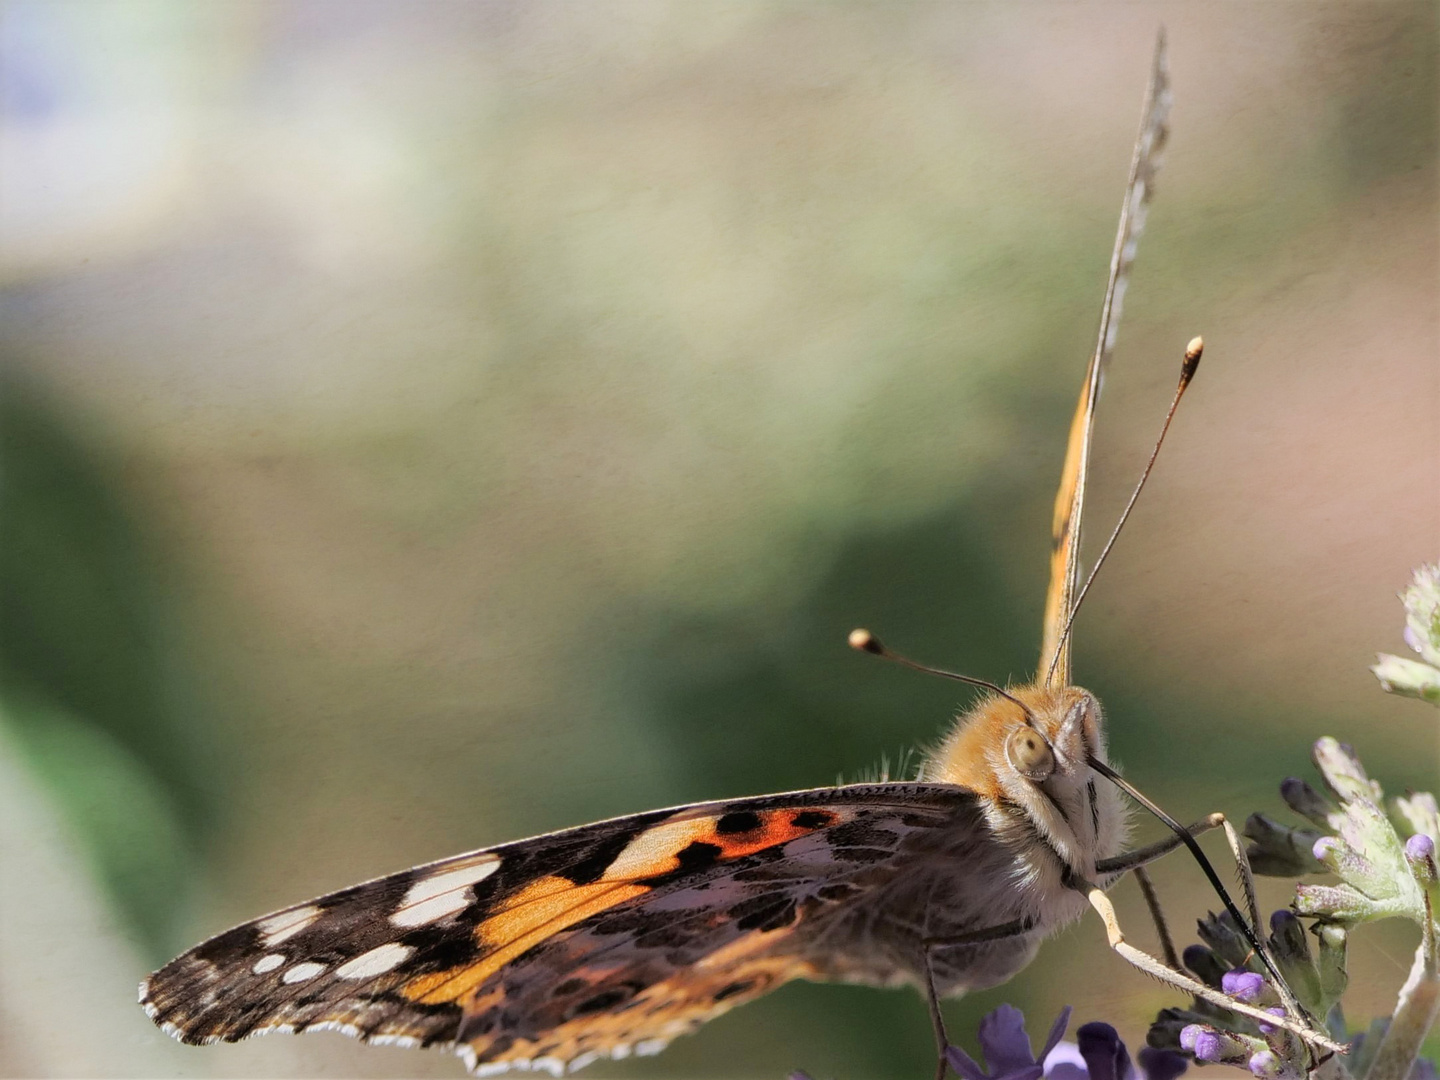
(1060,597)
(595,941)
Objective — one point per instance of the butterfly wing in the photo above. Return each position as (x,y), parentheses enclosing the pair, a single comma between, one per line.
(590,942)
(1070,499)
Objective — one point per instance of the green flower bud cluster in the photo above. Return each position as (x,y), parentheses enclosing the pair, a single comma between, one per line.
(1417,678)
(1378,879)
(1384,865)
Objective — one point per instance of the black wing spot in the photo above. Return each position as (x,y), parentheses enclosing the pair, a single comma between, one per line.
(733,989)
(737,821)
(812,819)
(606,1000)
(697,855)
(568,987)
(589,869)
(437,948)
(230,947)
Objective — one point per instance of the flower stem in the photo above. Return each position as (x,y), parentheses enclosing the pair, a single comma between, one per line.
(1415,1014)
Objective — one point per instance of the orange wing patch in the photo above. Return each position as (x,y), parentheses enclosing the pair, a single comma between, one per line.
(555,903)
(548,906)
(663,1011)
(665,848)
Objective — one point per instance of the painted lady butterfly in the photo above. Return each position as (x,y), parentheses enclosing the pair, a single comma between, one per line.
(613,938)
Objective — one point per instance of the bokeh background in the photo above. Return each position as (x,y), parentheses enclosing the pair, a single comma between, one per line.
(430,424)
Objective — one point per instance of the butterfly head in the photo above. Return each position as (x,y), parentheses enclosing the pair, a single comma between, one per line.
(1029,751)
(1035,735)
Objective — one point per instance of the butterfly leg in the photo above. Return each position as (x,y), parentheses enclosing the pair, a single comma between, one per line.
(1136,861)
(1157,916)
(1129,860)
(937,1019)
(1252,906)
(932,999)
(1178,979)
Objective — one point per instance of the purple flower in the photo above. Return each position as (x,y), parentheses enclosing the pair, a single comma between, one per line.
(1098,1053)
(1006,1047)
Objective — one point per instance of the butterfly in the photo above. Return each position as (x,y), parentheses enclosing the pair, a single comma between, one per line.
(611,939)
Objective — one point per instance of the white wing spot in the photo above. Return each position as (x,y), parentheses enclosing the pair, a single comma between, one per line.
(287,924)
(443,894)
(301,972)
(450,880)
(268,963)
(375,962)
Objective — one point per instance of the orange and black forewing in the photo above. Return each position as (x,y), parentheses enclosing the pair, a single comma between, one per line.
(597,941)
(1054,668)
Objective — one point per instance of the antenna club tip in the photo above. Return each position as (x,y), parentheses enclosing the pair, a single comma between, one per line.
(1193,352)
(864,641)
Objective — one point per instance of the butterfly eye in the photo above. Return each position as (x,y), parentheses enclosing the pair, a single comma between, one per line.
(1030,753)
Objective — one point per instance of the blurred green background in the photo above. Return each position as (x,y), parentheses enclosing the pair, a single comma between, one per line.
(430,424)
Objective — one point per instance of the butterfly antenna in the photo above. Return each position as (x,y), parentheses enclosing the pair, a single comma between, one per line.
(1189,841)
(1188,367)
(864,641)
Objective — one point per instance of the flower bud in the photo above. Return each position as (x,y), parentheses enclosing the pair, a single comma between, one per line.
(1209,1044)
(1164,1033)
(1413,678)
(1420,848)
(1335,903)
(1277,850)
(1407,678)
(1287,938)
(1206,966)
(1244,986)
(1419,811)
(1330,965)
(1270,1029)
(1341,770)
(1307,802)
(1264,1064)
(1291,951)
(1355,869)
(1222,934)
(1420,854)
(1422,613)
